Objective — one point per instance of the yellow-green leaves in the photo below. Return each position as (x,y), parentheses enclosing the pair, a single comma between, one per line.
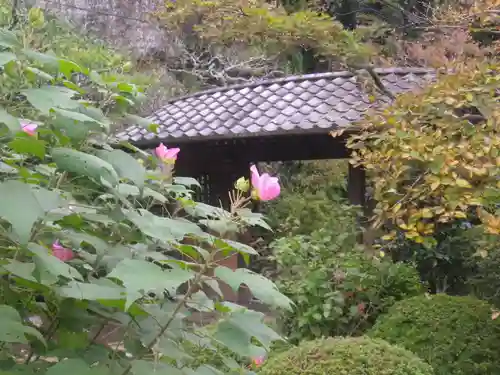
(431,160)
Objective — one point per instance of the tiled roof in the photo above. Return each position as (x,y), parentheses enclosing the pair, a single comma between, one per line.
(298,104)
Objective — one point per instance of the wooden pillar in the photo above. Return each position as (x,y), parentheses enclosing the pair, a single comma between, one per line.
(356,186)
(356,191)
(222,179)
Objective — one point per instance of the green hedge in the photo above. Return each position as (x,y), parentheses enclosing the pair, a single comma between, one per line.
(346,356)
(456,335)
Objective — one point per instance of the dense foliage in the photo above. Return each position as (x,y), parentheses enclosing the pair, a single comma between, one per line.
(458,262)
(456,335)
(83,252)
(434,157)
(266,25)
(337,288)
(354,356)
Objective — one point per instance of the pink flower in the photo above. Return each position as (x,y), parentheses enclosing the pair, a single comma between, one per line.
(166,154)
(61,252)
(28,127)
(258,361)
(266,187)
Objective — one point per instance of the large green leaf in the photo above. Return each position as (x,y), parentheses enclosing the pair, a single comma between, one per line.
(46,98)
(10,121)
(139,277)
(84,164)
(77,238)
(25,270)
(47,262)
(12,330)
(6,57)
(240,327)
(140,367)
(162,228)
(262,288)
(132,190)
(74,366)
(206,370)
(28,145)
(253,218)
(75,116)
(92,292)
(9,39)
(21,207)
(125,165)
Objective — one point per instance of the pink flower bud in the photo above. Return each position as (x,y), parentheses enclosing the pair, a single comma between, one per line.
(166,154)
(28,127)
(61,252)
(266,188)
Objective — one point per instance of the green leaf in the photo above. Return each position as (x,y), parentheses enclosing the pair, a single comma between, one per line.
(91,292)
(39,73)
(200,302)
(262,288)
(222,226)
(46,98)
(206,211)
(74,366)
(203,370)
(253,218)
(25,271)
(10,121)
(131,190)
(28,145)
(84,164)
(162,228)
(12,329)
(139,276)
(21,207)
(141,367)
(68,67)
(47,262)
(6,57)
(171,349)
(240,327)
(75,115)
(187,181)
(77,238)
(125,165)
(43,58)
(229,245)
(9,39)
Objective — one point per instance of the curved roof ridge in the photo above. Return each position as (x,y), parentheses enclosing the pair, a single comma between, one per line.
(296,78)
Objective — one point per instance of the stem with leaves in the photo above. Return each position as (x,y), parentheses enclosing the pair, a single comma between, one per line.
(192,288)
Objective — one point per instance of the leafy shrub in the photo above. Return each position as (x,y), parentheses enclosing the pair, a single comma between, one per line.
(337,288)
(314,197)
(434,154)
(456,335)
(82,252)
(353,356)
(485,282)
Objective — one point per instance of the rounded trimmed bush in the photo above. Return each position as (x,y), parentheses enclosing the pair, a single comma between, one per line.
(456,335)
(346,356)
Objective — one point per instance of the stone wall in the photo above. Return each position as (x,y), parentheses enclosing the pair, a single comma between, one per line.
(126,24)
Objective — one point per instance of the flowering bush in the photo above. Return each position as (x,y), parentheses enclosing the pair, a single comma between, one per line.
(81,251)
